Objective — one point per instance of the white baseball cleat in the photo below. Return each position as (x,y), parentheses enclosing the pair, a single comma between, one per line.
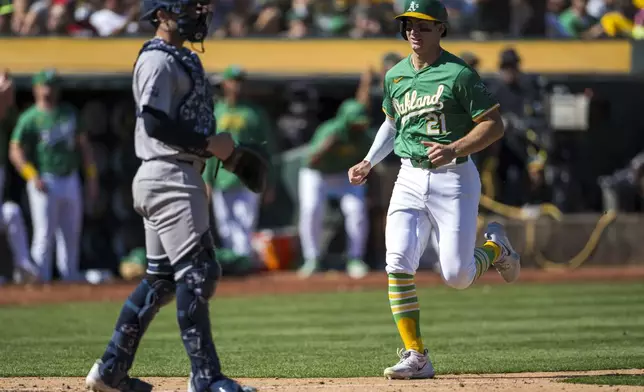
(412,365)
(357,269)
(94,382)
(509,262)
(309,268)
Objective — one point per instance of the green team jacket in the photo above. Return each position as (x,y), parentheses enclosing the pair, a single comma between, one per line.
(335,146)
(49,139)
(246,123)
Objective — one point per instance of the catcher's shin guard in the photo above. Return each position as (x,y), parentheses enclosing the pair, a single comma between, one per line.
(196,278)
(136,315)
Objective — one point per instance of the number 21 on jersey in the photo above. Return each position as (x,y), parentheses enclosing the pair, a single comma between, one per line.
(435,124)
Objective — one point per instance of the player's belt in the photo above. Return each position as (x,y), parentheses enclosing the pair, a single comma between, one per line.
(427,164)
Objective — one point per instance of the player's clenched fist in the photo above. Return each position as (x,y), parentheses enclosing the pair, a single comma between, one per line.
(439,154)
(358,173)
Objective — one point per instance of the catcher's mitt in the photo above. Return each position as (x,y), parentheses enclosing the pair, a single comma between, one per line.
(251,164)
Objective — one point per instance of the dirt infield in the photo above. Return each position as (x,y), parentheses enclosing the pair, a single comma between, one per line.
(524,382)
(288,283)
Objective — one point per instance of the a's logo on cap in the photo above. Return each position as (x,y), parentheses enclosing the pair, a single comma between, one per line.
(413,6)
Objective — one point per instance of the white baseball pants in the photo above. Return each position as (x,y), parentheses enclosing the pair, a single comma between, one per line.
(236,218)
(314,188)
(446,199)
(57,217)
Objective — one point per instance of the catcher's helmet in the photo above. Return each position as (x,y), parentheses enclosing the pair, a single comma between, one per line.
(423,9)
(193,16)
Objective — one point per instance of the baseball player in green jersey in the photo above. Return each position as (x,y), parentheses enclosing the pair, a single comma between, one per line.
(46,148)
(235,207)
(438,113)
(334,146)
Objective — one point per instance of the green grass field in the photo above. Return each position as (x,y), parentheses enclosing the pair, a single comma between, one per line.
(609,379)
(485,329)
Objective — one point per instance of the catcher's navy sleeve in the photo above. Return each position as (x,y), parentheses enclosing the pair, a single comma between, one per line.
(161,127)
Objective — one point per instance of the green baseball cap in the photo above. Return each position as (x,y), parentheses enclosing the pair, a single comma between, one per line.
(47,77)
(233,72)
(424,9)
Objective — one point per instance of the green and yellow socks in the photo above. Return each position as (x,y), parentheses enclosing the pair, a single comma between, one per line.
(403,299)
(406,310)
(485,256)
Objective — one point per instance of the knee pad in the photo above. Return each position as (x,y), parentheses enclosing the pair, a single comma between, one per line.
(199,270)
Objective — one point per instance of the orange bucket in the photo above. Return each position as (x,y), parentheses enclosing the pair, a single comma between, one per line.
(277,249)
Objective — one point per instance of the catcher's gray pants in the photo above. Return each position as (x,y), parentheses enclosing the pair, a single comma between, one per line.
(171,198)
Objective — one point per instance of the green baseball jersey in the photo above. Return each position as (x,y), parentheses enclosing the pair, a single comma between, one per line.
(440,103)
(245,123)
(6,126)
(49,139)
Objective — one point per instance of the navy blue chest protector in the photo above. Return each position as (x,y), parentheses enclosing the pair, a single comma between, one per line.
(195,112)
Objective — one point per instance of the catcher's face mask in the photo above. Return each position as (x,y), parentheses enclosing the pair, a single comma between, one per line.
(193,19)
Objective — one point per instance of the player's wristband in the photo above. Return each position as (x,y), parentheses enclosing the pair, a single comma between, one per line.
(91,171)
(28,172)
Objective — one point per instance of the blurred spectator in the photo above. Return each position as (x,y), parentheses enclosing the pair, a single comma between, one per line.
(116,18)
(471,59)
(618,22)
(638,28)
(299,25)
(491,18)
(624,189)
(331,18)
(537,190)
(366,23)
(577,23)
(554,28)
(60,21)
(369,91)
(299,119)
(295,19)
(521,100)
(6,9)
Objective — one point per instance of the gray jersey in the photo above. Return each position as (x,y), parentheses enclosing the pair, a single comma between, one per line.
(161,83)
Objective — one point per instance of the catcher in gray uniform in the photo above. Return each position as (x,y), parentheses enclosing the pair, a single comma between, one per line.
(175,133)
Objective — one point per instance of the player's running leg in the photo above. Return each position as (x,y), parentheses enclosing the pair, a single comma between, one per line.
(110,373)
(356,223)
(14,226)
(406,236)
(312,205)
(453,204)
(68,233)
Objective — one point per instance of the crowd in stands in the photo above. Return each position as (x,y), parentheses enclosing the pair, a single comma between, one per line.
(476,19)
